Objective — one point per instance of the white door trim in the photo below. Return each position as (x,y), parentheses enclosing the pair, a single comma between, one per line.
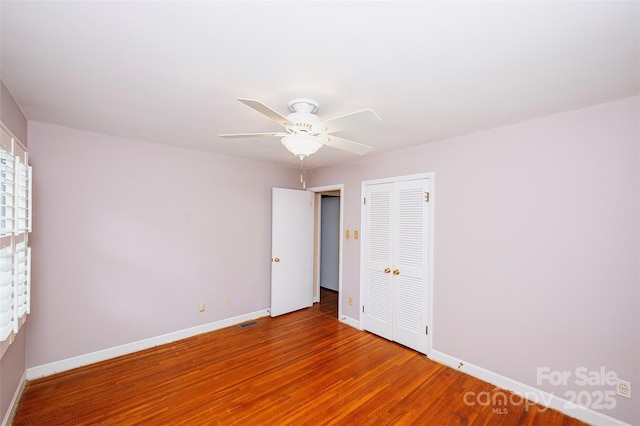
(338,187)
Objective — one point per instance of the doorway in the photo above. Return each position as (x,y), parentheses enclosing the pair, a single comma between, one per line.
(327,265)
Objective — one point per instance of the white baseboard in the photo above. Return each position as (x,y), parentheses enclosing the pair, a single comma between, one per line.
(11,411)
(528,392)
(105,354)
(350,321)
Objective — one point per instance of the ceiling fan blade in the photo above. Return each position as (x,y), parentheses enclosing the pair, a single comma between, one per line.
(347,145)
(251,135)
(355,119)
(265,110)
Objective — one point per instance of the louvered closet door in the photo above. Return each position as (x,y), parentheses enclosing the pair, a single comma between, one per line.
(396,261)
(377,251)
(410,261)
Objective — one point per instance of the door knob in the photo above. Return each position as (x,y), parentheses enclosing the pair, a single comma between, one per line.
(387,270)
(396,272)
(277,259)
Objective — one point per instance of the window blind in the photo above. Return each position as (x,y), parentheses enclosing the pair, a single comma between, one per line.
(7,189)
(7,296)
(15,225)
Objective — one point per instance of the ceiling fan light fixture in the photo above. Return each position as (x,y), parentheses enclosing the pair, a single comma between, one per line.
(305,133)
(301,145)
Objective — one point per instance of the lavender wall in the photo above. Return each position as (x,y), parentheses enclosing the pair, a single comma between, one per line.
(12,364)
(11,115)
(536,251)
(129,237)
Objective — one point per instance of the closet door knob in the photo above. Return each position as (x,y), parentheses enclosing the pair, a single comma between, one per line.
(396,272)
(387,270)
(277,259)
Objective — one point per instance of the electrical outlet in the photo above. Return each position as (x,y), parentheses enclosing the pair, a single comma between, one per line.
(201,307)
(351,301)
(623,388)
(224,301)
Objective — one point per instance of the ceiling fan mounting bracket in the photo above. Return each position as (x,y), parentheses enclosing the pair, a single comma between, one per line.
(302,117)
(303,105)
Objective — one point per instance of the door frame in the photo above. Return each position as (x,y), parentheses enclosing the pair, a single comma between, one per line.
(316,252)
(431,177)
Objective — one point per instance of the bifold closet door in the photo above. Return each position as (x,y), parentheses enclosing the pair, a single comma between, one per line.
(396,261)
(377,240)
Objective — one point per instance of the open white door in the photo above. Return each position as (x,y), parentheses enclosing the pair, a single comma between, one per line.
(291,250)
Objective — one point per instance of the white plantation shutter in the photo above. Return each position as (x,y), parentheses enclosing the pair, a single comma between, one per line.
(22,196)
(22,277)
(15,225)
(7,295)
(22,192)
(7,190)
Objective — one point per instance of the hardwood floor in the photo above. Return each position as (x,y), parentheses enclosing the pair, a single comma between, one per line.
(328,304)
(302,368)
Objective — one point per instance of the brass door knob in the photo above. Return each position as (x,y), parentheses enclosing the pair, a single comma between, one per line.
(396,272)
(387,270)
(277,259)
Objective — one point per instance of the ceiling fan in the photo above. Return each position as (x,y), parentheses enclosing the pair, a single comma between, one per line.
(305,133)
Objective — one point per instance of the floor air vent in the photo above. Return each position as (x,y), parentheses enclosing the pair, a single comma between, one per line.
(248,324)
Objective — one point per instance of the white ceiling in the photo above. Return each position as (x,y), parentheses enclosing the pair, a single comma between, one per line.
(170,72)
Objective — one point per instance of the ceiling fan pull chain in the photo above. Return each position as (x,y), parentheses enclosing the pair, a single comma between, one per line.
(302,174)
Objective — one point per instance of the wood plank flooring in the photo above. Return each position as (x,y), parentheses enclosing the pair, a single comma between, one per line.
(303,368)
(328,304)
